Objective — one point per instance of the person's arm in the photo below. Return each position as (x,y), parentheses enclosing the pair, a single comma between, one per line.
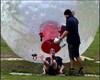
(44,70)
(67,30)
(42,57)
(62,66)
(61,69)
(51,60)
(63,35)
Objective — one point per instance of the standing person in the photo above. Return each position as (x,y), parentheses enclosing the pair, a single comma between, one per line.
(73,40)
(52,65)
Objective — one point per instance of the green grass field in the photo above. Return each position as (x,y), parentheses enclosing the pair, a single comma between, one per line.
(7,67)
(93,50)
(90,67)
(9,77)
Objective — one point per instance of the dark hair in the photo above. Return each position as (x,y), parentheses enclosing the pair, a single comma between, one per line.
(67,12)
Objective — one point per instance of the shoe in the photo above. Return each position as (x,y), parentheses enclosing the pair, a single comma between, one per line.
(81,73)
(71,73)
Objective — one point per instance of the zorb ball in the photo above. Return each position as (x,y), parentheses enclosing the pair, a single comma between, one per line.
(26,25)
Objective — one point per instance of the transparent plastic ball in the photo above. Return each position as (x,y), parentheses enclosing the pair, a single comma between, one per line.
(22,24)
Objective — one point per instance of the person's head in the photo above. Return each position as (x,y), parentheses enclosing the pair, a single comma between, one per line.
(67,13)
(52,51)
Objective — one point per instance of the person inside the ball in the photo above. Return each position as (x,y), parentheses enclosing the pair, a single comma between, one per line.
(53,65)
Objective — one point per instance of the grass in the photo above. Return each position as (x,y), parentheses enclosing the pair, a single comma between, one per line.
(47,78)
(6,51)
(93,50)
(5,48)
(35,68)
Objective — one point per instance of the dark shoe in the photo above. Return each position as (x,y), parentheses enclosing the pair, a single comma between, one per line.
(81,72)
(71,73)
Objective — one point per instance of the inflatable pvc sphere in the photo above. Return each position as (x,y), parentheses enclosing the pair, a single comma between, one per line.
(26,25)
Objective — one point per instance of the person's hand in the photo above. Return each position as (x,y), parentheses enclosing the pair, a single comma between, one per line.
(57,40)
(42,57)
